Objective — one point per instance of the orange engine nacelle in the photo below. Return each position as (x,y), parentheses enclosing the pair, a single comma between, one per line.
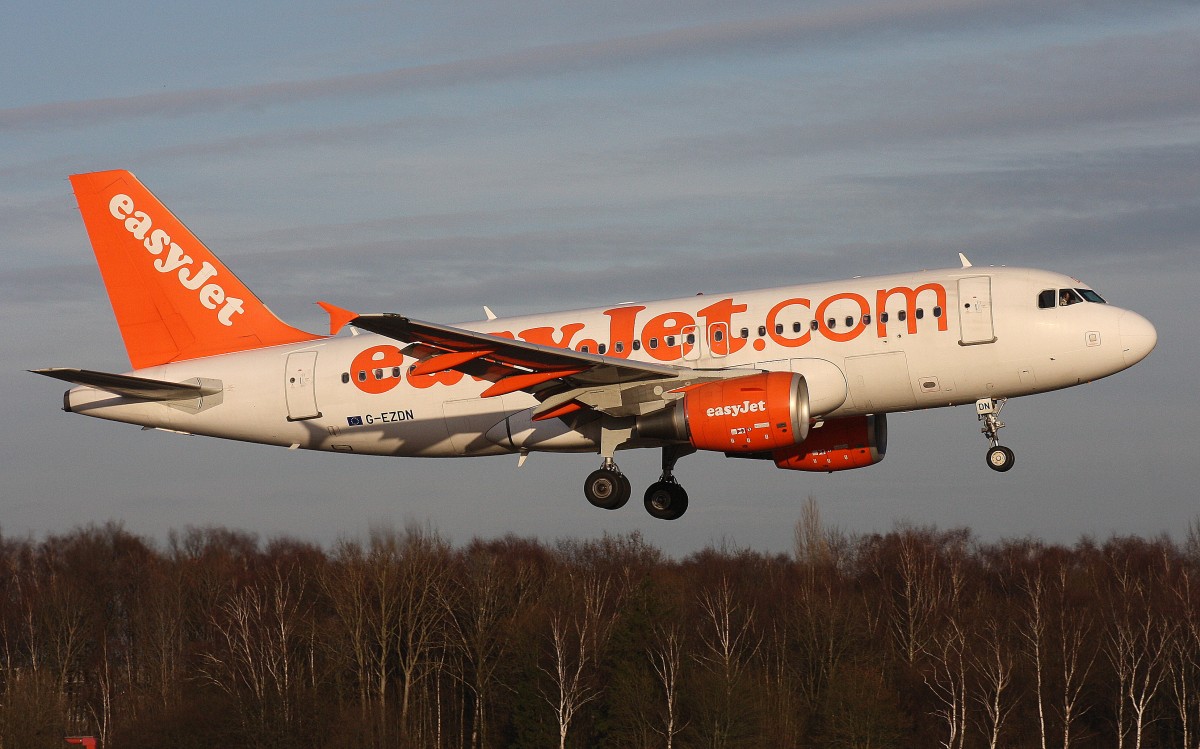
(838,445)
(753,414)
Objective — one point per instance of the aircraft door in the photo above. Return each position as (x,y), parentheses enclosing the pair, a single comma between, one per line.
(975,310)
(718,340)
(298,385)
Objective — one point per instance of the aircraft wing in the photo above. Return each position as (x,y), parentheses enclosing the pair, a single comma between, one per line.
(563,379)
(129,386)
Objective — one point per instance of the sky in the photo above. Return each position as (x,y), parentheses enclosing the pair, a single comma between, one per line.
(431,158)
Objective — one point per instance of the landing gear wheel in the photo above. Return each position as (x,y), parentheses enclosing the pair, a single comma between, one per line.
(666,500)
(1000,458)
(607,489)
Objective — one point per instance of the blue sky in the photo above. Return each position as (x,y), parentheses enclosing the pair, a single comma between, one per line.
(433,158)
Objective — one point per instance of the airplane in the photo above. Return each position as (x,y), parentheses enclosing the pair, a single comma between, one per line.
(803,376)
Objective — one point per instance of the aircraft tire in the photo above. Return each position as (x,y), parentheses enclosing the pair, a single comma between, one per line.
(1000,458)
(606,489)
(666,501)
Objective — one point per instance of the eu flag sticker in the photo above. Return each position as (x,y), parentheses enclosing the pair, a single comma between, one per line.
(354,421)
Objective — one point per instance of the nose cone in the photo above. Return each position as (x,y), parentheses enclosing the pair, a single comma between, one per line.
(1138,337)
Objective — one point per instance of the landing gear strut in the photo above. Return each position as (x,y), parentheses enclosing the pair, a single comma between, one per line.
(999,458)
(666,499)
(606,487)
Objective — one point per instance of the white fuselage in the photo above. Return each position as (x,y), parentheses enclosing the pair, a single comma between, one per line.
(950,337)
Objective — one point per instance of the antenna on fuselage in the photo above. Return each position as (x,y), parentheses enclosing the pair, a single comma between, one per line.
(963,259)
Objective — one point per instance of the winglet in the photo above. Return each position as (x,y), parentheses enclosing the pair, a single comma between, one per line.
(963,259)
(338,317)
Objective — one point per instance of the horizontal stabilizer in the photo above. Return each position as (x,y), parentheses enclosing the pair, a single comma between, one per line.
(128,386)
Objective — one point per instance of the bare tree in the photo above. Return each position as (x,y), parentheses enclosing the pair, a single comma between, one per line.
(995,669)
(947,679)
(347,584)
(1137,646)
(257,660)
(483,604)
(1183,661)
(665,652)
(930,581)
(1032,629)
(420,584)
(729,646)
(579,627)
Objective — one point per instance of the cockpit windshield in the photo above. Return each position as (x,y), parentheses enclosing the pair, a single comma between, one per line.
(1051,298)
(1067,297)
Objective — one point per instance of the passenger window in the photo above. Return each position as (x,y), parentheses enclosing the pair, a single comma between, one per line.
(849,322)
(396,372)
(866,319)
(796,326)
(653,343)
(745,332)
(379,374)
(902,315)
(1046,299)
(362,375)
(670,340)
(762,330)
(585,349)
(815,325)
(619,346)
(602,348)
(920,313)
(345,377)
(691,339)
(778,328)
(937,311)
(832,323)
(637,345)
(883,317)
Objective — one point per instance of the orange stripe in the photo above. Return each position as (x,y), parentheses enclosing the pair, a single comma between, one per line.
(563,410)
(513,383)
(450,360)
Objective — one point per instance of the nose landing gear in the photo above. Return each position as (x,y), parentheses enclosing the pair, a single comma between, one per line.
(999,458)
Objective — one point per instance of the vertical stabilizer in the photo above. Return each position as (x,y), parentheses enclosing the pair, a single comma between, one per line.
(172,297)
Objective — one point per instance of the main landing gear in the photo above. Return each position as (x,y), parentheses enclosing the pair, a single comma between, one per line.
(608,488)
(999,458)
(666,499)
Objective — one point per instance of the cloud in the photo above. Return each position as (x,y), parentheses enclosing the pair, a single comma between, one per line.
(786,32)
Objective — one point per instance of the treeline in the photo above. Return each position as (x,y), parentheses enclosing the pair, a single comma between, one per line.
(919,637)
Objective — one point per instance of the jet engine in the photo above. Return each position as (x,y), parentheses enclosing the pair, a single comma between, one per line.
(757,413)
(838,445)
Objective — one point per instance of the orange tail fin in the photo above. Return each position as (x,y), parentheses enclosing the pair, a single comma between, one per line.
(172,297)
